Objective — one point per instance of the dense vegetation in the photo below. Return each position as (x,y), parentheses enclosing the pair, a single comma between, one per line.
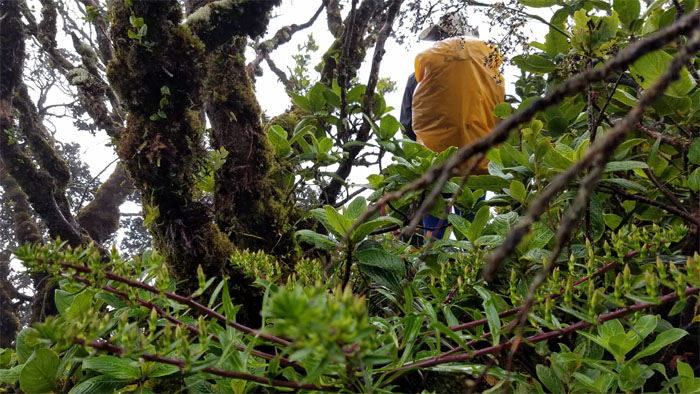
(269,271)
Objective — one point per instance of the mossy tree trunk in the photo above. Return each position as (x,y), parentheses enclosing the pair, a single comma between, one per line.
(163,153)
(249,204)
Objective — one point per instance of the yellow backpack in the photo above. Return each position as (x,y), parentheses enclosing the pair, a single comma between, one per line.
(456,94)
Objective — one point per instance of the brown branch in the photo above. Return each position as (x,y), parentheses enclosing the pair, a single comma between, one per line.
(646,200)
(335,22)
(280,74)
(100,218)
(650,174)
(678,142)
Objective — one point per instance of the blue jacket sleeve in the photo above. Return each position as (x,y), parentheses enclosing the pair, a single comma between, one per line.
(406,117)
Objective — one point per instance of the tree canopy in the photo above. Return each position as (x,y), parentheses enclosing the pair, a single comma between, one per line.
(257,265)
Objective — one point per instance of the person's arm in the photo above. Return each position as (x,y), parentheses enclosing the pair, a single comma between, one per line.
(406,117)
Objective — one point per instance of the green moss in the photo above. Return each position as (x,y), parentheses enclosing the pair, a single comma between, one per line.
(248,199)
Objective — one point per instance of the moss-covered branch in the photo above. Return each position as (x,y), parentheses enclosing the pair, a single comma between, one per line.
(26,231)
(282,36)
(247,199)
(216,23)
(100,218)
(38,184)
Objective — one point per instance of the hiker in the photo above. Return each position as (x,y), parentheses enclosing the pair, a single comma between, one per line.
(449,99)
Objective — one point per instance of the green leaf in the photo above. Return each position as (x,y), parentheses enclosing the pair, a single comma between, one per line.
(11,375)
(459,224)
(694,152)
(487,182)
(662,340)
(300,101)
(549,379)
(556,42)
(612,220)
(39,373)
(502,110)
(383,267)
(624,165)
(489,240)
(628,10)
(596,214)
(317,240)
(339,223)
(694,180)
(356,208)
(517,189)
(63,300)
(534,63)
(366,228)
(160,369)
(555,159)
(388,126)
(478,224)
(80,305)
(98,384)
(538,3)
(316,98)
(647,69)
(450,334)
(24,351)
(116,367)
(278,138)
(625,184)
(491,312)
